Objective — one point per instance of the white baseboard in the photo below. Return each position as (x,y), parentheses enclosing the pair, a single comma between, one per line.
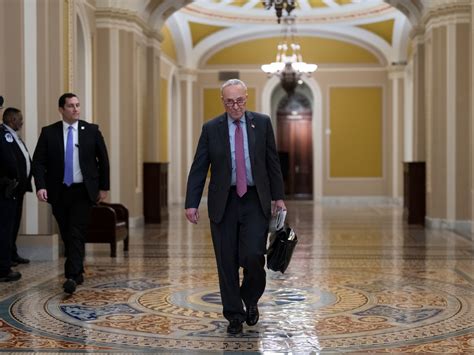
(134,222)
(39,247)
(463,226)
(360,200)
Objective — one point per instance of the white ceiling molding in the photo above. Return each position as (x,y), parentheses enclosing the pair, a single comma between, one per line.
(228,37)
(247,22)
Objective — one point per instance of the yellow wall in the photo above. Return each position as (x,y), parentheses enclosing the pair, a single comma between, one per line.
(212,104)
(164,121)
(200,31)
(167,46)
(356,132)
(382,29)
(314,50)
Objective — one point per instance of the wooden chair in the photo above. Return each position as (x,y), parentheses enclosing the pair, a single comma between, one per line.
(109,224)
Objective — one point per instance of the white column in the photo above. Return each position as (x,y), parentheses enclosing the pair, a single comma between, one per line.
(31,103)
(114,150)
(396,73)
(451,123)
(408,129)
(189,111)
(175,142)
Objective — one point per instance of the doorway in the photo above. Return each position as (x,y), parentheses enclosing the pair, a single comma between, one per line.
(295,145)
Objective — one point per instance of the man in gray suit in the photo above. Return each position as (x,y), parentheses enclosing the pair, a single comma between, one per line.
(239,146)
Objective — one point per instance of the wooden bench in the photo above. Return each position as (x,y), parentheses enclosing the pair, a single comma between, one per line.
(109,224)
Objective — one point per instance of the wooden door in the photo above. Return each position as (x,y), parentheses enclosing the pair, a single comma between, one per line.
(294,140)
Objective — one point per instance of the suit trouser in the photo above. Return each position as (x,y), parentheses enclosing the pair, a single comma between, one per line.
(72,212)
(7,214)
(16,225)
(240,241)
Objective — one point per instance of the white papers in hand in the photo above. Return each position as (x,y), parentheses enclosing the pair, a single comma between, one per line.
(278,220)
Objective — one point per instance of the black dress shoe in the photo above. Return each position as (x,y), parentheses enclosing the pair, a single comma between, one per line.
(13,263)
(69,286)
(11,276)
(79,279)
(252,315)
(21,260)
(234,327)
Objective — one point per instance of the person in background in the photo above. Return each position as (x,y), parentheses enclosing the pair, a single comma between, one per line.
(12,122)
(71,171)
(239,147)
(9,180)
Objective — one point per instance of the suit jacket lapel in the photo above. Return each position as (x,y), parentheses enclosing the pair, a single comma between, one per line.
(251,136)
(60,141)
(81,133)
(224,134)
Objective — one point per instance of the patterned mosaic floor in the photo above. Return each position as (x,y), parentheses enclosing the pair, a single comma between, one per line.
(361,281)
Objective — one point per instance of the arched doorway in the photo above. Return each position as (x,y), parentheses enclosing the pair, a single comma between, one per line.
(295,145)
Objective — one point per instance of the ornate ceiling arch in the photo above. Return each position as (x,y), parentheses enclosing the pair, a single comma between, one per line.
(354,21)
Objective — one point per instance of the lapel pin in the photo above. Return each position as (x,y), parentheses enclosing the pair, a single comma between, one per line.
(82,127)
(9,137)
(252,125)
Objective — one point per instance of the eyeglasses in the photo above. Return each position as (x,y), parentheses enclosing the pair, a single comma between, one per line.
(240,101)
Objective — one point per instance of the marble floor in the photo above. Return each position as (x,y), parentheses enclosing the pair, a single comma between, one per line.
(361,281)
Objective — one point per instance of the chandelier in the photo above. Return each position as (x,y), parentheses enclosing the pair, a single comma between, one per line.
(288,5)
(289,65)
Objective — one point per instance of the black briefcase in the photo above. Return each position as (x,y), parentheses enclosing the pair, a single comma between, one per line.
(281,247)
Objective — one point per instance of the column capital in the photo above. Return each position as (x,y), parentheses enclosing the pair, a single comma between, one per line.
(446,12)
(187,74)
(396,70)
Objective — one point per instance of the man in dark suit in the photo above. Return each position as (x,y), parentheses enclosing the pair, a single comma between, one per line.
(239,146)
(13,121)
(71,171)
(10,176)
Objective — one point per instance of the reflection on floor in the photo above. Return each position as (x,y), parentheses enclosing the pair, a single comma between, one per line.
(361,281)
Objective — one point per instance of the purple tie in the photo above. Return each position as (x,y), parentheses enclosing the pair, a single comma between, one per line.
(241,177)
(68,161)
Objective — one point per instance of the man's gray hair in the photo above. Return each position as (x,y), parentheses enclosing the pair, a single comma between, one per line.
(232,82)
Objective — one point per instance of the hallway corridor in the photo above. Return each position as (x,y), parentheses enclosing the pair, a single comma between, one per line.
(361,281)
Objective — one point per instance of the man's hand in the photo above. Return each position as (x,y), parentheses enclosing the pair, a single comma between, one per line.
(192,214)
(102,196)
(278,205)
(42,195)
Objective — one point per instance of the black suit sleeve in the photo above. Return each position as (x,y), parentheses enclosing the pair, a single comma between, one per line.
(102,163)
(199,169)
(273,166)
(39,163)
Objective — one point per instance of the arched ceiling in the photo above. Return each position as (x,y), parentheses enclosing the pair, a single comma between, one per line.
(201,28)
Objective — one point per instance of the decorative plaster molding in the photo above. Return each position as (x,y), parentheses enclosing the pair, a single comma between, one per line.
(129,27)
(449,13)
(107,17)
(396,71)
(185,74)
(313,16)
